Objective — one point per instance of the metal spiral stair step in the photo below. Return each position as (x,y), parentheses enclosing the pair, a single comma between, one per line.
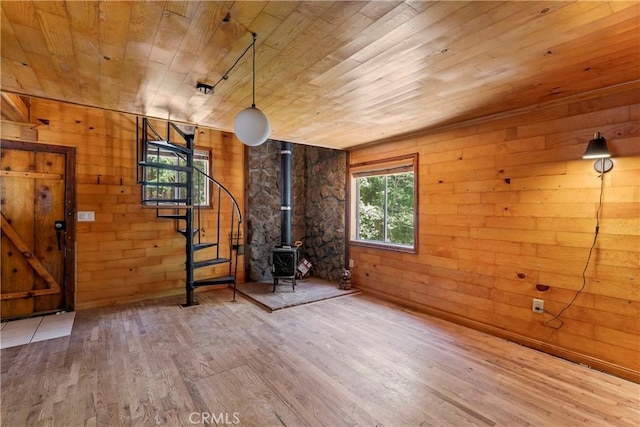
(184,231)
(165,184)
(165,166)
(222,280)
(167,201)
(172,216)
(200,246)
(169,146)
(208,262)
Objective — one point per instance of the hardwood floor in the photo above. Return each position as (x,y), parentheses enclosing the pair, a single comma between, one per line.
(352,361)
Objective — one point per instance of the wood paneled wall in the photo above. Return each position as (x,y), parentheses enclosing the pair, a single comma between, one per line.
(127,253)
(507,204)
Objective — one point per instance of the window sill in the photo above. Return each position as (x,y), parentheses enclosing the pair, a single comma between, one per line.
(384,246)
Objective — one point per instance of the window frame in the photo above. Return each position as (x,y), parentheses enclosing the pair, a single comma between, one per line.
(208,188)
(409,160)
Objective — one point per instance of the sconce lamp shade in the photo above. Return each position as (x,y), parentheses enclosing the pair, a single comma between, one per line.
(252,127)
(597,148)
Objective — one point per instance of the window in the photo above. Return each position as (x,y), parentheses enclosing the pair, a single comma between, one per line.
(384,200)
(168,194)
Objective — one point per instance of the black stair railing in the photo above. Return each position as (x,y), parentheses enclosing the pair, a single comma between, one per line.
(176,200)
(234,238)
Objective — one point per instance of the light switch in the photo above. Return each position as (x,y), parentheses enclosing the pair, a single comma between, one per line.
(85,216)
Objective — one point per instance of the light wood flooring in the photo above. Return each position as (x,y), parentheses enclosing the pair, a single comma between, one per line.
(351,361)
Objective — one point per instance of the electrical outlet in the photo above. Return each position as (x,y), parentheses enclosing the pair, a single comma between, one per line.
(351,263)
(538,305)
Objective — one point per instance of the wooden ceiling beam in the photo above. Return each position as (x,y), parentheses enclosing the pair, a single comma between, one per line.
(15,107)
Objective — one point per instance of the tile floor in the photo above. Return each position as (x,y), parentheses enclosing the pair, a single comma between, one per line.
(25,331)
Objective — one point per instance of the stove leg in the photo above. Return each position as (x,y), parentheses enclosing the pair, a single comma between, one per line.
(275,282)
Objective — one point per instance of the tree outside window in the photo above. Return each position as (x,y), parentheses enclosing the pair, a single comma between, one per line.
(385,204)
(165,194)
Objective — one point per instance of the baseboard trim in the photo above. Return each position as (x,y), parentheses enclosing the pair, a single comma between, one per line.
(554,350)
(85,305)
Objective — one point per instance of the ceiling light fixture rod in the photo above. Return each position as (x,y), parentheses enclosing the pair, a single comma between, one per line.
(225,76)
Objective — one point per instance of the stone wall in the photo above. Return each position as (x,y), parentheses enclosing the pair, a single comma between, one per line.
(324,244)
(263,208)
(318,209)
(298,192)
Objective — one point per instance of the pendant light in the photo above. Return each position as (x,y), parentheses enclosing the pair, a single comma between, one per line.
(251,126)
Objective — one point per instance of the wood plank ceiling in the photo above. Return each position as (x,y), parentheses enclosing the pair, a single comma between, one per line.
(335,74)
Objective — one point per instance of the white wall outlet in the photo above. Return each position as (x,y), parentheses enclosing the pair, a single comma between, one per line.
(86,216)
(351,263)
(538,305)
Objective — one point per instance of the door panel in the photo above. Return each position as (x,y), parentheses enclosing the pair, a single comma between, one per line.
(49,208)
(17,274)
(33,199)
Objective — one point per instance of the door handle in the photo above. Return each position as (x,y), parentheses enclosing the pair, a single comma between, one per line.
(60,226)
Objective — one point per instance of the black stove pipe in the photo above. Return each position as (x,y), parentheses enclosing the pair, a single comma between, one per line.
(285,187)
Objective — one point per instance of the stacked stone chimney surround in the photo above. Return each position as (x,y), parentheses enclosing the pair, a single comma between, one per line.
(318,204)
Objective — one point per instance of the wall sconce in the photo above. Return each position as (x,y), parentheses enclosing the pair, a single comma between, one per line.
(597,149)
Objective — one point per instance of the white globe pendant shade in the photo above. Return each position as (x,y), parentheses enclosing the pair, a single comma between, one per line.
(252,127)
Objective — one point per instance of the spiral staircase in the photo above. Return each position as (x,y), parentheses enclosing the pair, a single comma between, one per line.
(172,183)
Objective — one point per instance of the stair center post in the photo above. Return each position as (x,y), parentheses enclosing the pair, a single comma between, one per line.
(189,231)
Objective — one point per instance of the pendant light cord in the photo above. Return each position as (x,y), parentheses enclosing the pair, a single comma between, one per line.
(253,101)
(556,317)
(225,76)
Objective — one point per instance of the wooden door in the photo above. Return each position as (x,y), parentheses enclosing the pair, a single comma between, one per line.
(37,228)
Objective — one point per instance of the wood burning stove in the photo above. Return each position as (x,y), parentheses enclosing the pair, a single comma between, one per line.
(284,265)
(285,256)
